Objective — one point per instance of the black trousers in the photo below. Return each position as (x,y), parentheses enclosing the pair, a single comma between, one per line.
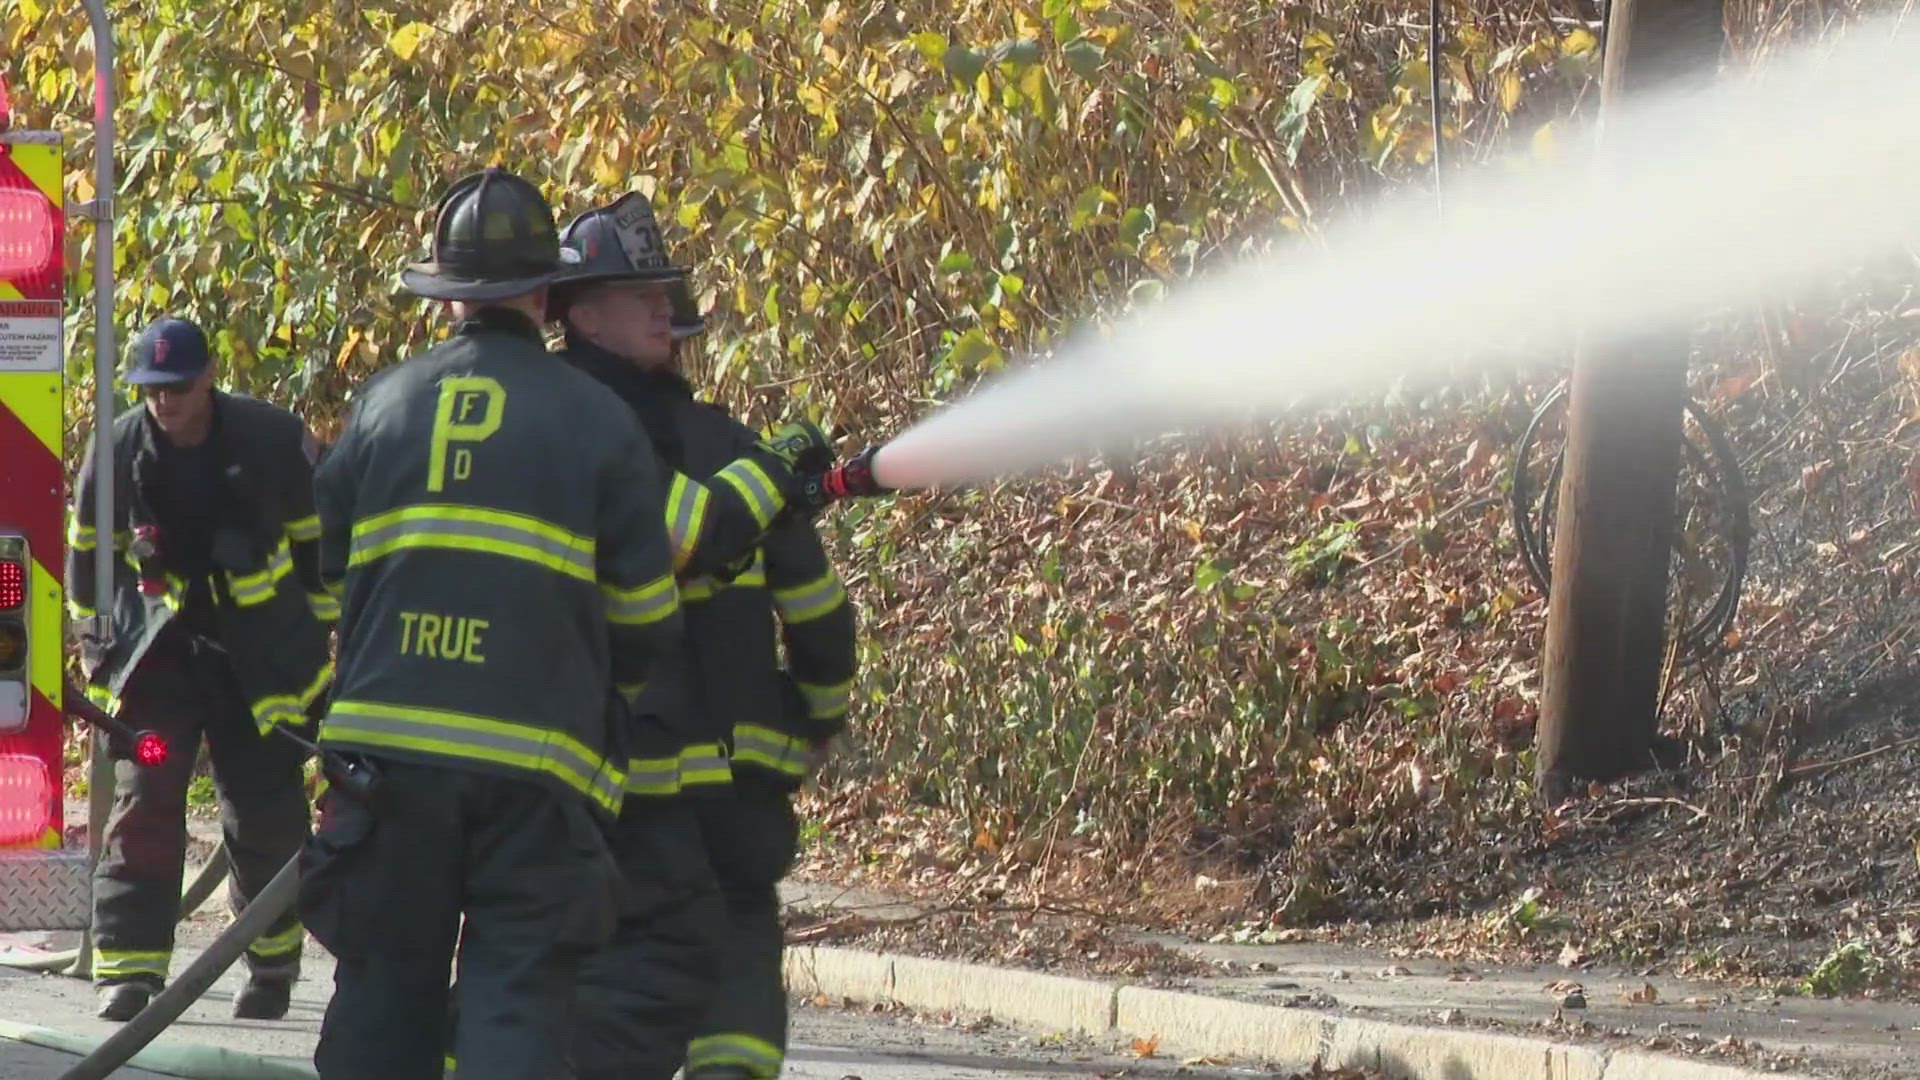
(751,839)
(185,689)
(642,998)
(509,876)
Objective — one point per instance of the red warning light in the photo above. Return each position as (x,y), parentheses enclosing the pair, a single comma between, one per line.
(150,749)
(26,229)
(13,585)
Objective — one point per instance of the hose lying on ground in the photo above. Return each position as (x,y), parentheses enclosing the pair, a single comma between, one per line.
(272,902)
(186,1060)
(195,894)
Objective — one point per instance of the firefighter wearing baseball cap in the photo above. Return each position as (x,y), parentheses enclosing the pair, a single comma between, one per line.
(495,527)
(754,578)
(218,631)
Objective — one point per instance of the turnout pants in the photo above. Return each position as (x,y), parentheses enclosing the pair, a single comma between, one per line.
(385,888)
(751,839)
(642,998)
(183,689)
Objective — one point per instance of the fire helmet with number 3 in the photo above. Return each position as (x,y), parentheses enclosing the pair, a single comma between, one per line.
(617,242)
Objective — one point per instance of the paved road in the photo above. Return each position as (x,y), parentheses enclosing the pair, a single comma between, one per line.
(830,1043)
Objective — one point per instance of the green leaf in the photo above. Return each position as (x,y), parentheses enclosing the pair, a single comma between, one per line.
(1147,290)
(931,45)
(965,64)
(771,308)
(1300,103)
(1208,576)
(1011,284)
(1135,225)
(1022,54)
(1085,56)
(956,262)
(971,350)
(407,40)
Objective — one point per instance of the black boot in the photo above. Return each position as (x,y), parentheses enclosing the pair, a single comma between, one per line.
(122,1001)
(263,999)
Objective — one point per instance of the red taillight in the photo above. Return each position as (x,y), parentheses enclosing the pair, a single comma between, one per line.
(26,231)
(13,585)
(150,749)
(26,797)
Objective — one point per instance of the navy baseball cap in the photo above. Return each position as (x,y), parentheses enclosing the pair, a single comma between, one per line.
(169,350)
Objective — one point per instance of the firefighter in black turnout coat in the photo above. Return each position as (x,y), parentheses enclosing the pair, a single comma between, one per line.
(218,629)
(495,525)
(754,577)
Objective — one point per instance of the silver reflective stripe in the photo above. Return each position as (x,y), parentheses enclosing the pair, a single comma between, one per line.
(755,745)
(810,601)
(648,603)
(755,488)
(687,505)
(258,588)
(496,536)
(653,776)
(479,738)
(824,702)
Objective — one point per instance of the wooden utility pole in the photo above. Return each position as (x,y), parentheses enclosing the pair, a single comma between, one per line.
(1613,534)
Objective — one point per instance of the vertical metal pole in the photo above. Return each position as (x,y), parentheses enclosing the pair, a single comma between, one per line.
(99,764)
(1434,14)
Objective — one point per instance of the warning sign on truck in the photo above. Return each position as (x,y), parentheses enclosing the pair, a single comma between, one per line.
(31,333)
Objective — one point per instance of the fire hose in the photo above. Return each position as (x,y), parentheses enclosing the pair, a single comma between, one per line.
(148,748)
(353,781)
(850,479)
(1533,518)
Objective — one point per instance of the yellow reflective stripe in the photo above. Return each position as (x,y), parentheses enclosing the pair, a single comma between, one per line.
(769,749)
(756,489)
(630,691)
(826,702)
(760,1058)
(114,963)
(703,588)
(653,776)
(812,600)
(642,605)
(280,944)
(325,607)
(103,697)
(468,528)
(81,537)
(478,738)
(291,708)
(687,504)
(305,529)
(258,588)
(447,1064)
(704,763)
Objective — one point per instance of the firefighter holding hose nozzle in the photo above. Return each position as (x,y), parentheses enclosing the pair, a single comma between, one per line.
(685,964)
(218,630)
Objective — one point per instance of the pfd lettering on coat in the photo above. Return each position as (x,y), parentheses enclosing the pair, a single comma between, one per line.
(470,410)
(441,637)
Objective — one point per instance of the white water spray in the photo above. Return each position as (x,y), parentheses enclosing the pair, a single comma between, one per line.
(1778,180)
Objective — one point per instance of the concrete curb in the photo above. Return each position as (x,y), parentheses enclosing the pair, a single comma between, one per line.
(1196,1025)
(188,1060)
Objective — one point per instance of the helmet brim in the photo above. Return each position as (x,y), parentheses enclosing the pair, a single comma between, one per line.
(565,285)
(684,330)
(434,282)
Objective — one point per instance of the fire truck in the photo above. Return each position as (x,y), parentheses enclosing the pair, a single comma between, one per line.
(45,879)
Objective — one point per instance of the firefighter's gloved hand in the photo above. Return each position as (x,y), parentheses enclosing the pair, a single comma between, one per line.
(851,479)
(801,447)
